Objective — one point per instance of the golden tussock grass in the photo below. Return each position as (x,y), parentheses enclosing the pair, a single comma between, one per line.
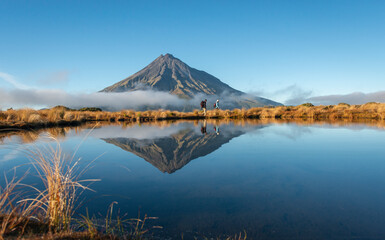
(12,216)
(28,118)
(60,174)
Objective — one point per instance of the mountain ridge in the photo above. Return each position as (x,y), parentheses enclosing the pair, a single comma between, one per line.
(169,74)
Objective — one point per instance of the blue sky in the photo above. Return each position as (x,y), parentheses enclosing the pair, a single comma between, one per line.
(273,48)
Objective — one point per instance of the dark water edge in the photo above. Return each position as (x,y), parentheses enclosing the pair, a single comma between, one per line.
(274,180)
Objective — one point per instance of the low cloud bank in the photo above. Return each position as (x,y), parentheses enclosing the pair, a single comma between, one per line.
(112,101)
(149,99)
(295,95)
(352,98)
(138,100)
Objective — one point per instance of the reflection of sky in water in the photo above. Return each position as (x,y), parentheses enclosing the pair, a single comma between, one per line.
(276,181)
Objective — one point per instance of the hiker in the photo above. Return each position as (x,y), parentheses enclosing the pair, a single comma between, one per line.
(203,106)
(216,104)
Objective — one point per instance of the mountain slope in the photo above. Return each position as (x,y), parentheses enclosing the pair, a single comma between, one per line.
(169,74)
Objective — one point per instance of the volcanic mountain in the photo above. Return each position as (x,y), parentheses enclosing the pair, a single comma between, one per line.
(169,74)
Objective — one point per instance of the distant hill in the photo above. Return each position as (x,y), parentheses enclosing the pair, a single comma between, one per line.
(169,74)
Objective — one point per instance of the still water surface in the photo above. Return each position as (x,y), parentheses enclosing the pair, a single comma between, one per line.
(274,181)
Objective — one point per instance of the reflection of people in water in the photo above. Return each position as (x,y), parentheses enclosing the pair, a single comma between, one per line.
(204,127)
(216,129)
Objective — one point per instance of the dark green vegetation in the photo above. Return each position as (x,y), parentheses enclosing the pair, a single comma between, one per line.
(90,109)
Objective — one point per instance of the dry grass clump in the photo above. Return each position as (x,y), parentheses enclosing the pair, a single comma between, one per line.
(35,118)
(16,216)
(161,115)
(11,215)
(18,115)
(341,107)
(237,113)
(69,116)
(54,115)
(28,114)
(371,105)
(11,116)
(251,113)
(60,176)
(216,113)
(304,112)
(3,116)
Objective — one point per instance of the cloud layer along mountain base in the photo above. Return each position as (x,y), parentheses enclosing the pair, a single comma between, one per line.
(138,100)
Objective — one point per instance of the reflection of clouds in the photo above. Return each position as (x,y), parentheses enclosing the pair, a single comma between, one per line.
(290,131)
(10,156)
(352,126)
(348,126)
(151,132)
(294,131)
(139,132)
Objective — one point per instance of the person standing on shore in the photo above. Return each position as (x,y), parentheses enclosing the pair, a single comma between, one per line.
(203,106)
(216,104)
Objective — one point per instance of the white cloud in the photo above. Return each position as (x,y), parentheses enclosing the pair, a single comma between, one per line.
(140,99)
(352,98)
(290,95)
(11,155)
(53,97)
(12,80)
(295,95)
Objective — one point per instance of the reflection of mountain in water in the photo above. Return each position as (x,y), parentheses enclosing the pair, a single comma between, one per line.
(171,153)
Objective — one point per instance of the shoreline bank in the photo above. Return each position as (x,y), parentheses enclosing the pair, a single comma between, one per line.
(61,116)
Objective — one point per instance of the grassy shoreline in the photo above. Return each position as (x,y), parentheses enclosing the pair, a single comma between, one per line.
(22,224)
(61,116)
